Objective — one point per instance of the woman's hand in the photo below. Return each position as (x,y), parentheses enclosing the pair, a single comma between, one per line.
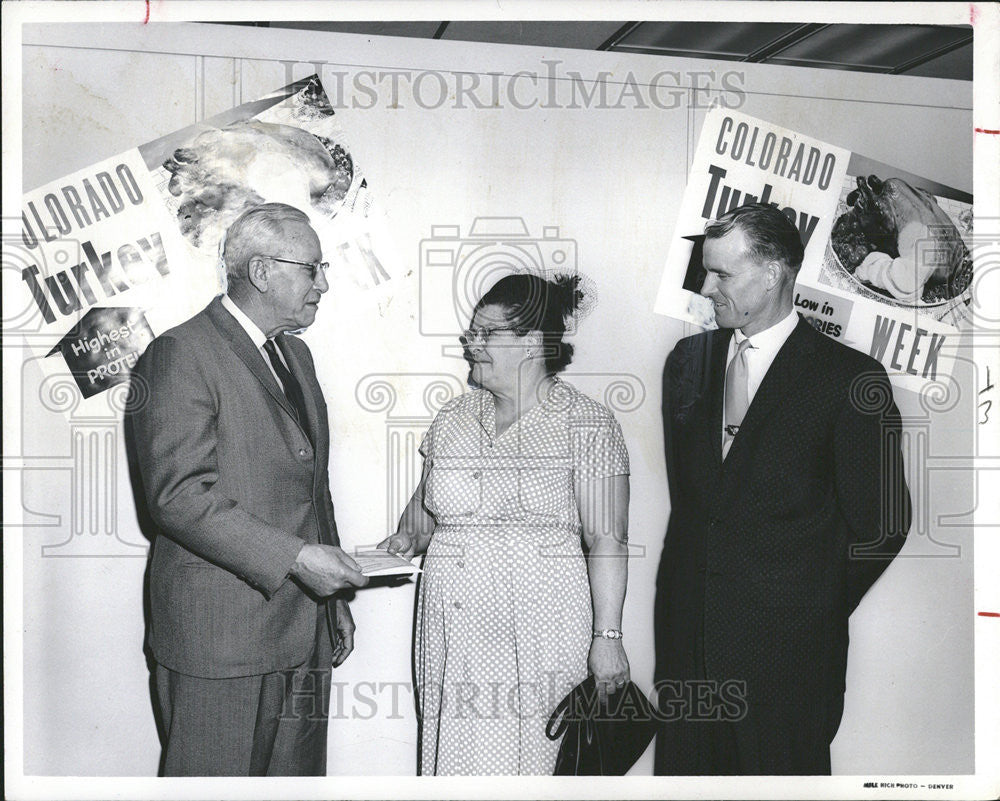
(400,543)
(416,526)
(609,664)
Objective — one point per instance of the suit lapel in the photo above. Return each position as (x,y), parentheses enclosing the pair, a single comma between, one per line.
(243,347)
(781,380)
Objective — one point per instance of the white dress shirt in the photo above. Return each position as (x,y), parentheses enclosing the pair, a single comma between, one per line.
(257,336)
(764,346)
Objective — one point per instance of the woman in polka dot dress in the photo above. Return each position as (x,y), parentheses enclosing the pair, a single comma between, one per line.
(511,613)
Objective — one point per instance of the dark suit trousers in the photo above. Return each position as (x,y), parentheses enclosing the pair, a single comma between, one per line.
(769,741)
(763,740)
(268,725)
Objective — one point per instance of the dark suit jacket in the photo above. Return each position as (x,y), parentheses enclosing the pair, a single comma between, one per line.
(235,487)
(769,552)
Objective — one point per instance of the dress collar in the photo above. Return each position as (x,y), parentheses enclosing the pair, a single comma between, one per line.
(555,399)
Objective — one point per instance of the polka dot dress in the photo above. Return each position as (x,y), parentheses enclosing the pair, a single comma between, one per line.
(504,620)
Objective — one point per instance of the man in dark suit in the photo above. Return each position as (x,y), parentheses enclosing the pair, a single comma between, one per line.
(231,437)
(788,501)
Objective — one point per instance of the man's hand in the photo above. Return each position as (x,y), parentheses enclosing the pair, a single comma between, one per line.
(344,642)
(325,569)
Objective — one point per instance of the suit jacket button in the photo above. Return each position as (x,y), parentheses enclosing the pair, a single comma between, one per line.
(302,451)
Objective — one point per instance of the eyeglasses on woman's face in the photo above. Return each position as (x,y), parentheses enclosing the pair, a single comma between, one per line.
(482,334)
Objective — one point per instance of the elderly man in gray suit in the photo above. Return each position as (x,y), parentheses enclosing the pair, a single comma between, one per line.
(231,438)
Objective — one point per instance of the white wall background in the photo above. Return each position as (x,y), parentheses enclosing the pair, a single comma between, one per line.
(610,179)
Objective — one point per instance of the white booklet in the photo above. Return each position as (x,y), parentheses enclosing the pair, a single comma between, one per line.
(379,562)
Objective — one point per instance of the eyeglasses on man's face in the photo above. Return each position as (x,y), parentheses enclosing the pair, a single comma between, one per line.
(314,267)
(481,334)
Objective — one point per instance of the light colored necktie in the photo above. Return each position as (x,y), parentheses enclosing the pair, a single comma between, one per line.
(737,394)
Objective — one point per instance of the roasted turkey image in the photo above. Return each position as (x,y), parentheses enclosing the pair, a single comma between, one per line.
(897,239)
(222,171)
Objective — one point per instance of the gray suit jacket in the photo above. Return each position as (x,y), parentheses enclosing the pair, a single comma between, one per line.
(234,486)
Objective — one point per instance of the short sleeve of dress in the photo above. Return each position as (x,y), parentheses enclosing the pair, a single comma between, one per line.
(427,443)
(442,420)
(603,452)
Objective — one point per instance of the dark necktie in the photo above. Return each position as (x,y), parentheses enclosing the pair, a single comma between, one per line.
(293,390)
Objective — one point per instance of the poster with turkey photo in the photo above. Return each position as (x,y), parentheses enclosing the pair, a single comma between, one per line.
(287,147)
(115,254)
(887,268)
(740,159)
(895,279)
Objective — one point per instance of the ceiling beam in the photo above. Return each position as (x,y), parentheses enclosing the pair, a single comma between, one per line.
(783,42)
(675,53)
(929,56)
(618,35)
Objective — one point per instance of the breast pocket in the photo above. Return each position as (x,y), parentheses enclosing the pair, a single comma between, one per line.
(545,491)
(453,490)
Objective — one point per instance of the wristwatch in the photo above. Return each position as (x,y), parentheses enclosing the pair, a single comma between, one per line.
(608,634)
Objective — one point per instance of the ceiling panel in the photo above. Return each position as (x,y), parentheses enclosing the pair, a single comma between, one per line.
(956,65)
(883,47)
(931,51)
(579,35)
(729,38)
(417,30)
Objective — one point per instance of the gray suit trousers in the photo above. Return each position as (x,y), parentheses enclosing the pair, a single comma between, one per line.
(267,725)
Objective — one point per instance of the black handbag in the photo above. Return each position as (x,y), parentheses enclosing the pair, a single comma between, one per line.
(600,740)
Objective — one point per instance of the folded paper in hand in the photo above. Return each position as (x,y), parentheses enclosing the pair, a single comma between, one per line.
(383,563)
